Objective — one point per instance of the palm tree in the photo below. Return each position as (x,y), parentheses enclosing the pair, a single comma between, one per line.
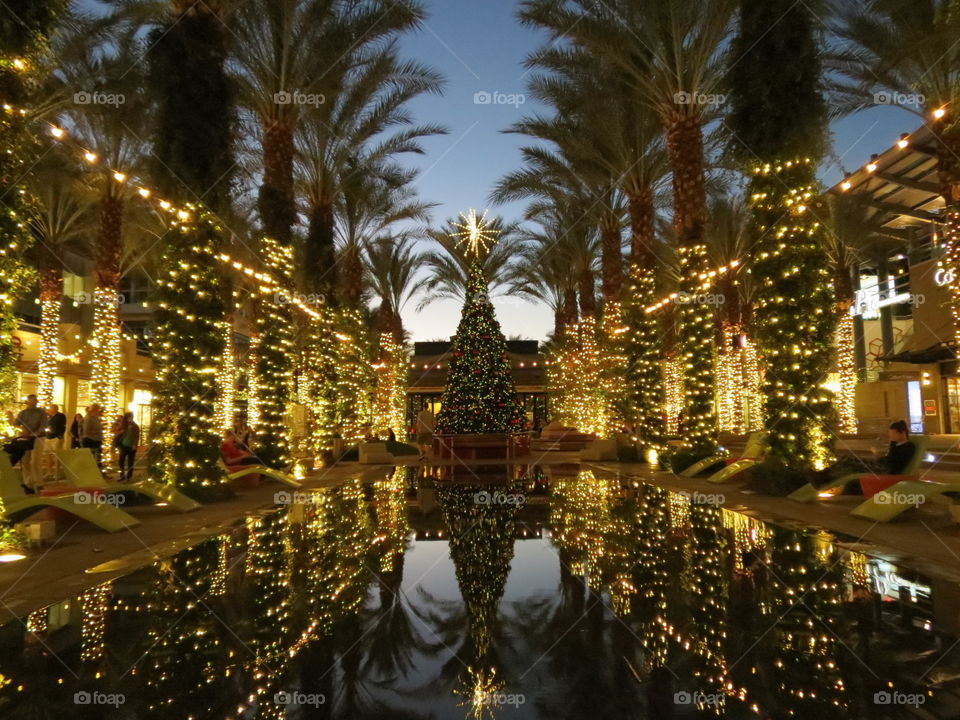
(449,266)
(114,133)
(61,221)
(354,134)
(909,51)
(370,205)
(392,262)
(671,54)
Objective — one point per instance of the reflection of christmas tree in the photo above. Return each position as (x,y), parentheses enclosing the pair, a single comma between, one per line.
(480,395)
(806,596)
(481,548)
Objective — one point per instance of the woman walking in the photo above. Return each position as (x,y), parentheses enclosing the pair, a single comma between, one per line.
(129,439)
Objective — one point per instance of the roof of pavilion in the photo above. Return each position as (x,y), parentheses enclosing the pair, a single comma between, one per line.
(902,185)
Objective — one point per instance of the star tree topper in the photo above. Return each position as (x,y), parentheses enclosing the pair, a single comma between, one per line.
(475,233)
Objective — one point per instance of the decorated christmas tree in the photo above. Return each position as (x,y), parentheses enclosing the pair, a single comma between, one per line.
(480,396)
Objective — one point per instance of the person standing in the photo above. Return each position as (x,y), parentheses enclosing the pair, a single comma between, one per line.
(91,436)
(129,441)
(76,430)
(56,430)
(27,447)
(425,425)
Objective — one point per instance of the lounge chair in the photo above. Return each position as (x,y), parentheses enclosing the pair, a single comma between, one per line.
(277,475)
(753,454)
(17,505)
(809,493)
(887,504)
(80,469)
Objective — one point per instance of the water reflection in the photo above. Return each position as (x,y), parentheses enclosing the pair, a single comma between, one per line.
(524,593)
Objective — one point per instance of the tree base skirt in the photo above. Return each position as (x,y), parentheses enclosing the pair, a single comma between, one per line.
(481,446)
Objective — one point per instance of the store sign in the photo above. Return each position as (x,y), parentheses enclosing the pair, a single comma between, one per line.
(902,376)
(930,406)
(944,276)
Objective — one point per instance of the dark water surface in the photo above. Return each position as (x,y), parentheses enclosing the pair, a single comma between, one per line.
(547,594)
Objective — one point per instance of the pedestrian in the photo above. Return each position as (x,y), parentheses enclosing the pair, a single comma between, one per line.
(91,435)
(27,446)
(76,430)
(56,430)
(425,425)
(129,441)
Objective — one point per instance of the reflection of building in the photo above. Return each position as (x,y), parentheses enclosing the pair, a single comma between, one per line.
(904,335)
(428,377)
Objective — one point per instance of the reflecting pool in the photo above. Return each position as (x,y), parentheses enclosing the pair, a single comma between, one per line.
(547,593)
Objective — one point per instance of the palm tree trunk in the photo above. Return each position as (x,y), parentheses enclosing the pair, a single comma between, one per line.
(612,262)
(105,364)
(643,233)
(320,263)
(696,327)
(51,298)
(566,314)
(948,171)
(588,299)
(276,201)
(351,277)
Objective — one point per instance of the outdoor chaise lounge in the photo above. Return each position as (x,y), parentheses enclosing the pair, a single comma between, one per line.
(277,475)
(753,453)
(809,493)
(887,504)
(17,505)
(80,469)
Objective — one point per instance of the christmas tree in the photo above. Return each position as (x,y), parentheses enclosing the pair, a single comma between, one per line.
(480,396)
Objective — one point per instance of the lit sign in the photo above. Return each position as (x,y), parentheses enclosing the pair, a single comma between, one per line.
(943,276)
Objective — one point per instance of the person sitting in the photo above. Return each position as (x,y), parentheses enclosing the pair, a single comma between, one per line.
(900,451)
(32,425)
(235,454)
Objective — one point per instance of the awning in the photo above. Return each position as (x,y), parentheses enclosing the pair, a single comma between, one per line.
(941,352)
